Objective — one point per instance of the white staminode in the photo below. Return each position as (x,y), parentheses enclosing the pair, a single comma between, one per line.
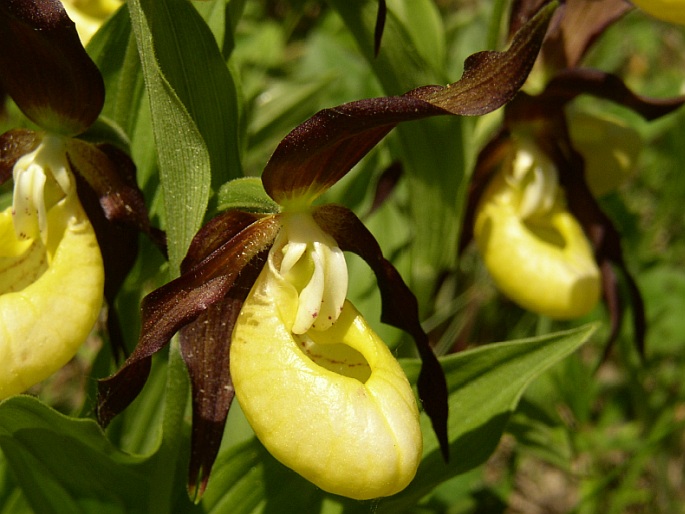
(535,176)
(314,264)
(41,179)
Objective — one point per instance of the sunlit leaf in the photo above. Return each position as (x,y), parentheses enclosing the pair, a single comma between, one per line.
(194,113)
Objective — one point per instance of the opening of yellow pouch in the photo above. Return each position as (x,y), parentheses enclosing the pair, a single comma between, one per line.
(336,357)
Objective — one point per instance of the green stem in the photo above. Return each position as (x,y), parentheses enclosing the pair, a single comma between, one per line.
(170,450)
(543,326)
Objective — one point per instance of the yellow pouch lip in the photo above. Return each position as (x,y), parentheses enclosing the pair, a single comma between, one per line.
(357,439)
(545,265)
(43,324)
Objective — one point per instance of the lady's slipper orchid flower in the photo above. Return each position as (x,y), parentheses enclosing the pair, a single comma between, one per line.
(672,11)
(544,120)
(52,270)
(534,249)
(261,311)
(343,414)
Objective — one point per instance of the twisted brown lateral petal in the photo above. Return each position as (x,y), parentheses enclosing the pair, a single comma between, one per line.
(318,153)
(168,309)
(575,27)
(568,84)
(205,347)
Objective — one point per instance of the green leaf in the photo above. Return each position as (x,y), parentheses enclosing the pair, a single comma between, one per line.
(194,112)
(64,464)
(435,177)
(421,19)
(67,465)
(246,194)
(485,386)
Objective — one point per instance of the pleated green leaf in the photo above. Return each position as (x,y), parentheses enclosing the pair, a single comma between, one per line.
(194,112)
(67,465)
(433,151)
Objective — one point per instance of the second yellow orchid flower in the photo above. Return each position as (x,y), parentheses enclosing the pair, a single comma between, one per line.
(533,247)
(668,10)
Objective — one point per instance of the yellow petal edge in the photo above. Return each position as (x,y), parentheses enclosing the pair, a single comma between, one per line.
(546,265)
(45,318)
(667,10)
(333,405)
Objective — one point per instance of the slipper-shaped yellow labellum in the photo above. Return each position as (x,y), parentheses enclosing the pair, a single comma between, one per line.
(667,10)
(50,295)
(544,263)
(333,405)
(89,15)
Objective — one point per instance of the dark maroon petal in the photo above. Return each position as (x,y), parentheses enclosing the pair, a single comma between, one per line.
(488,163)
(111,175)
(214,234)
(205,346)
(119,248)
(386,184)
(568,84)
(612,298)
(171,307)
(575,27)
(491,79)
(165,311)
(116,208)
(316,154)
(521,12)
(552,135)
(399,309)
(13,145)
(45,69)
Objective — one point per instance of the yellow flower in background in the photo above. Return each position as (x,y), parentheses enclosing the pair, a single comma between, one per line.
(534,249)
(51,270)
(89,15)
(609,146)
(320,389)
(668,10)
